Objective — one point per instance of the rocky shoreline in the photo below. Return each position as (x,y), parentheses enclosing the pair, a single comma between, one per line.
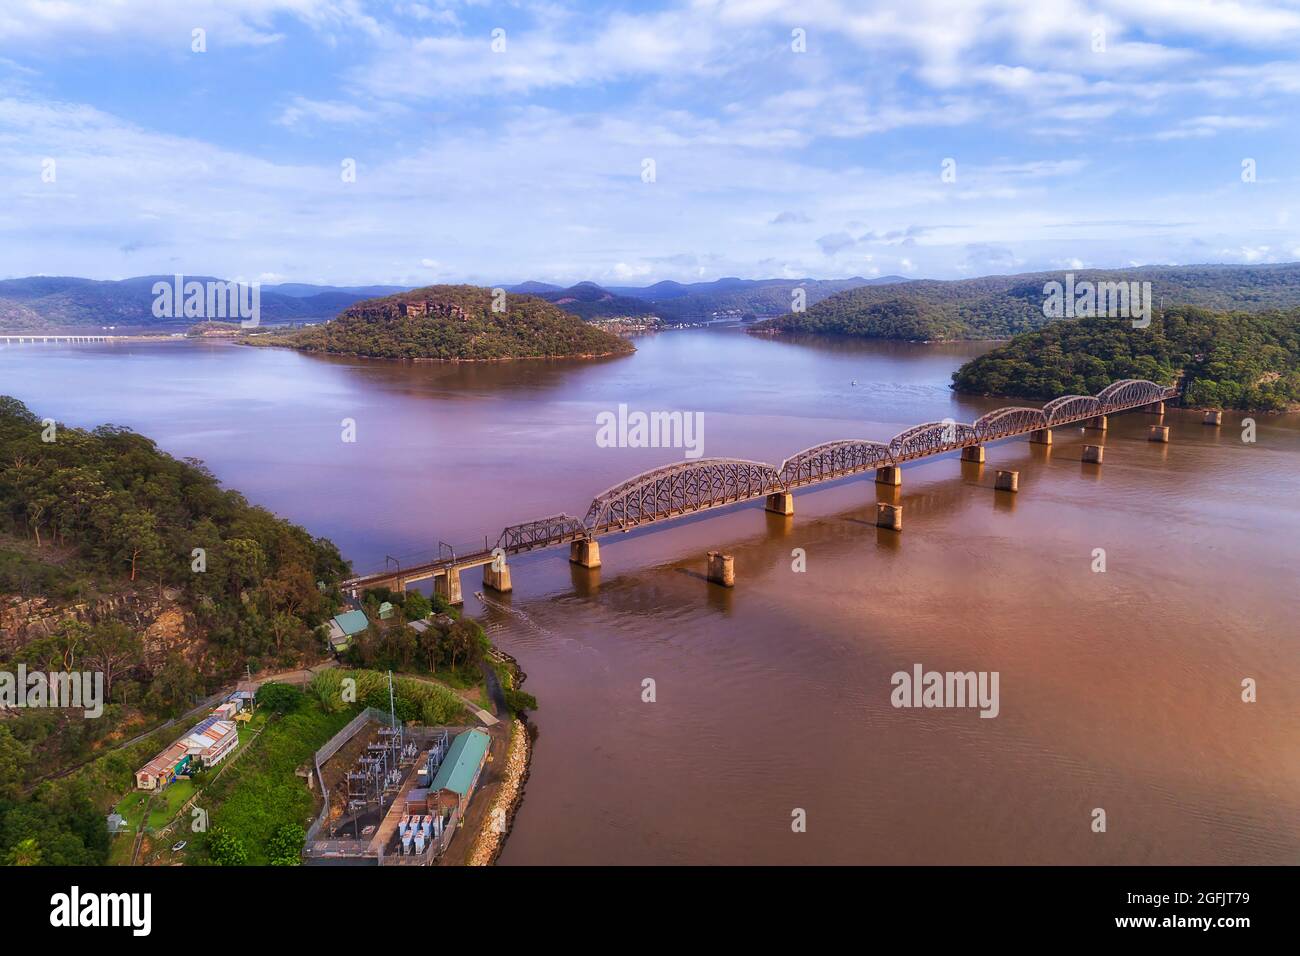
(496,826)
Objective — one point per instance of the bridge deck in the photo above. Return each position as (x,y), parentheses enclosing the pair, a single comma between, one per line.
(690,487)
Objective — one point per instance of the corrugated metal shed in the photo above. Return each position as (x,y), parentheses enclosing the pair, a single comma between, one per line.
(461,763)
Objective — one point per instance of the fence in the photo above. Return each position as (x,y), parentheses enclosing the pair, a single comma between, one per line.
(333,746)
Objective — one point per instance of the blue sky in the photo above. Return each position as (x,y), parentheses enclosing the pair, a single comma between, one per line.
(1083,133)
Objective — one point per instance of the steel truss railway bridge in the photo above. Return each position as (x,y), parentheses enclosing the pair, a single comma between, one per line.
(688,487)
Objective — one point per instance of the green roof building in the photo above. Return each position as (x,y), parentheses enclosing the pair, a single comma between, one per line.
(344,627)
(460,768)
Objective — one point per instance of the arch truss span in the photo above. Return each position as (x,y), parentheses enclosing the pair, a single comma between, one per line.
(1131,393)
(680,489)
(931,438)
(1005,422)
(831,460)
(1072,408)
(542,533)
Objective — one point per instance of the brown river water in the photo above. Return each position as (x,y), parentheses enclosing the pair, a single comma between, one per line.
(1118,690)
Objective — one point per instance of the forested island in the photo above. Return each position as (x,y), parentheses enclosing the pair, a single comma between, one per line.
(1236,359)
(454,323)
(996,307)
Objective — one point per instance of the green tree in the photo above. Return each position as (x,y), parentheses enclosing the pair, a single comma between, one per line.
(226,849)
(14,757)
(285,846)
(111,647)
(136,535)
(280,698)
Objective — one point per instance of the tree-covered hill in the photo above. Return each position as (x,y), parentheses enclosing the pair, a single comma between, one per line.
(454,322)
(754,298)
(130,514)
(1220,359)
(92,524)
(1001,306)
(590,301)
(892,317)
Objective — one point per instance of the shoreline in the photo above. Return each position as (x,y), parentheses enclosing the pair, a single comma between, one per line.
(500,818)
(450,361)
(491,838)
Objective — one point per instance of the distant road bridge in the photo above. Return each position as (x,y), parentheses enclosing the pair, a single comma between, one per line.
(34,338)
(688,487)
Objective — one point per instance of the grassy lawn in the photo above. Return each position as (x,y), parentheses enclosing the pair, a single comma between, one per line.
(132,807)
(119,849)
(168,803)
(261,793)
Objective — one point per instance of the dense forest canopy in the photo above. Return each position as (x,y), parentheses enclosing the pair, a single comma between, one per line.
(129,511)
(454,322)
(1220,359)
(91,514)
(1001,306)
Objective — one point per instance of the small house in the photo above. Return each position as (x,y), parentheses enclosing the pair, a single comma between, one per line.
(164,768)
(211,741)
(344,627)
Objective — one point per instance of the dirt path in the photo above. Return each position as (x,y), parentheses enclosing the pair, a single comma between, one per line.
(301,675)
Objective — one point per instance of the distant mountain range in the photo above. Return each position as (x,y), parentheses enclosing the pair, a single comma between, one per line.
(679,302)
(52,303)
(995,307)
(886,307)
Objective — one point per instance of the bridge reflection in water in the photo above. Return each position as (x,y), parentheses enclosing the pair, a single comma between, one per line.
(688,487)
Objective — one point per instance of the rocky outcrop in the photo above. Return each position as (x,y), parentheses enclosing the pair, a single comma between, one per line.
(165,624)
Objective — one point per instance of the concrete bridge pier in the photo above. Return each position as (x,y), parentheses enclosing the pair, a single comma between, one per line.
(1159,433)
(889,475)
(1092,454)
(1042,436)
(780,503)
(498,579)
(1157,408)
(1007,481)
(585,552)
(447,586)
(1214,418)
(973,453)
(889,517)
(1097,424)
(722,569)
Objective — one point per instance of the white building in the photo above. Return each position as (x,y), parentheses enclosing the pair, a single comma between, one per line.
(211,741)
